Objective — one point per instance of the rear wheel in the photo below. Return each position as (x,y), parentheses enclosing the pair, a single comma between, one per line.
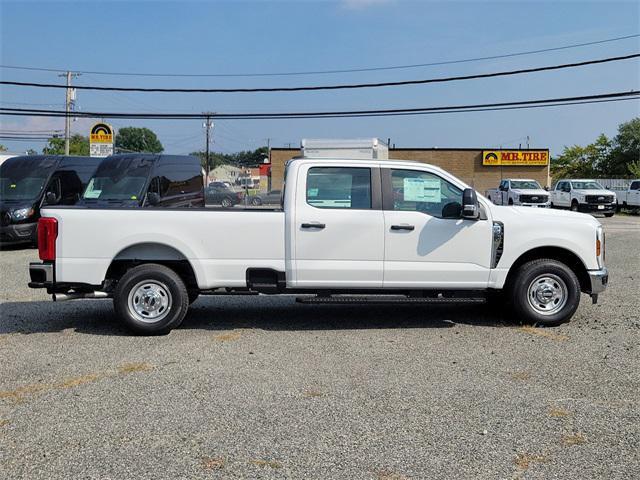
(575,206)
(256,201)
(544,292)
(151,299)
(226,202)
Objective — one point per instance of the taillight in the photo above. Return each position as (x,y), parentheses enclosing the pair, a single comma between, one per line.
(47,234)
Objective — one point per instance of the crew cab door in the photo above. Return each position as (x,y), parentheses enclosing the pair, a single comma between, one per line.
(338,227)
(427,244)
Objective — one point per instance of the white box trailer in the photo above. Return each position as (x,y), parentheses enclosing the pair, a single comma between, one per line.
(358,148)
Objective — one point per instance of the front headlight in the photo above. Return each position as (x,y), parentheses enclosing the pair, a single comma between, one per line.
(22,213)
(600,247)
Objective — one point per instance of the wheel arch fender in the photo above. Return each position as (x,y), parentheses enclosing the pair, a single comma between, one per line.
(564,255)
(153,252)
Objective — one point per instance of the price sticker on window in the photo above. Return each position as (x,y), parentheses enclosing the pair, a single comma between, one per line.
(422,190)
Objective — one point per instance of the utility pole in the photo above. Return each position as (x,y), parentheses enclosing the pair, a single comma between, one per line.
(69,104)
(208,125)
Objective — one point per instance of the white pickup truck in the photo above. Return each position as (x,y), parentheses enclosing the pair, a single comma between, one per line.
(348,231)
(583,196)
(629,198)
(521,192)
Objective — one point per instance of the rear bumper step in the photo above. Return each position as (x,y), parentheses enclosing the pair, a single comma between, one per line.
(387,300)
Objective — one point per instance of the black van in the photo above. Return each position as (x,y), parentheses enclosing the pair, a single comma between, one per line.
(145,180)
(30,182)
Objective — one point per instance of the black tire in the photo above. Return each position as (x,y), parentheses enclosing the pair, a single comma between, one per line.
(227,202)
(256,201)
(609,214)
(521,286)
(575,206)
(166,282)
(511,201)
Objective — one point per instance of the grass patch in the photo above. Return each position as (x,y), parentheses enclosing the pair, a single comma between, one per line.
(542,332)
(524,460)
(212,463)
(558,412)
(574,439)
(227,337)
(267,463)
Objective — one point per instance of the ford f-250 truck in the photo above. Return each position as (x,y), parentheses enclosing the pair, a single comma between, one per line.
(349,231)
(583,196)
(522,192)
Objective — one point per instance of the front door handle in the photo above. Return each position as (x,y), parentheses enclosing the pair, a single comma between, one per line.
(403,227)
(317,225)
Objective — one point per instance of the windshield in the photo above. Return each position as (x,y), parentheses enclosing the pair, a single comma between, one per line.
(119,179)
(587,185)
(525,184)
(24,178)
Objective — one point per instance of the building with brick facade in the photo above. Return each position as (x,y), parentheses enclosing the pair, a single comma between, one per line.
(467,164)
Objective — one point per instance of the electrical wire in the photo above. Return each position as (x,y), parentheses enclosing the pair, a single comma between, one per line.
(599,98)
(328,87)
(324,72)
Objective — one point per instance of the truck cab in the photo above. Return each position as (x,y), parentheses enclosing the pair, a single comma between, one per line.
(630,198)
(29,183)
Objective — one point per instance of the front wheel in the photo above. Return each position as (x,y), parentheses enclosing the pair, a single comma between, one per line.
(575,206)
(544,292)
(151,299)
(227,203)
(609,214)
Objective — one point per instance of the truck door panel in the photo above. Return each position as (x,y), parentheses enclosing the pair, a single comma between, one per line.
(339,234)
(422,248)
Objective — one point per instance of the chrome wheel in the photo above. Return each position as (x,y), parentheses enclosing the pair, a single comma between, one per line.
(149,301)
(547,294)
(226,203)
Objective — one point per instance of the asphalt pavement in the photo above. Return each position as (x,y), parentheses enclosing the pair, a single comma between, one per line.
(262,387)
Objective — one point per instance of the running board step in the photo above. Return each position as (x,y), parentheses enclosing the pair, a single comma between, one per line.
(385,300)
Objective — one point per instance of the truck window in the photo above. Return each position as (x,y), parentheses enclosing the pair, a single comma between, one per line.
(339,187)
(425,192)
(635,186)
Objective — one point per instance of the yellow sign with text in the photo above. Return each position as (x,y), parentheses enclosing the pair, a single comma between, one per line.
(101,133)
(515,157)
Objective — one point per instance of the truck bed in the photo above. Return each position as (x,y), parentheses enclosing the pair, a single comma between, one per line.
(219,244)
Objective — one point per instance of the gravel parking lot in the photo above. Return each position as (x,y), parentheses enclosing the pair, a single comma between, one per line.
(267,388)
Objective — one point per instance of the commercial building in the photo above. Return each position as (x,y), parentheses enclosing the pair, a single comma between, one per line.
(482,168)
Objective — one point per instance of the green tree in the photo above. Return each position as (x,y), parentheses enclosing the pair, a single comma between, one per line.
(577,161)
(135,139)
(626,148)
(247,158)
(31,151)
(78,145)
(3,148)
(634,168)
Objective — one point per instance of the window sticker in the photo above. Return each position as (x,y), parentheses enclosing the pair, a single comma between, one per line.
(312,192)
(422,190)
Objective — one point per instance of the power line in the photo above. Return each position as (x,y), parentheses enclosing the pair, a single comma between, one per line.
(598,98)
(329,87)
(323,72)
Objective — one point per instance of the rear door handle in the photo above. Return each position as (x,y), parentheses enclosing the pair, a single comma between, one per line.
(317,225)
(402,227)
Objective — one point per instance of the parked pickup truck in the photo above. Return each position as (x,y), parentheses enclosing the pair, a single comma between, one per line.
(629,198)
(523,192)
(348,231)
(583,196)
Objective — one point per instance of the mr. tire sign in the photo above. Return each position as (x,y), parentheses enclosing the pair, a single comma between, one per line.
(101,140)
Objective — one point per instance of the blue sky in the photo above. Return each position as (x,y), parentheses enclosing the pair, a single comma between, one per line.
(230,37)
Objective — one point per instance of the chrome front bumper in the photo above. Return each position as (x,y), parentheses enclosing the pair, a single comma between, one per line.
(599,280)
